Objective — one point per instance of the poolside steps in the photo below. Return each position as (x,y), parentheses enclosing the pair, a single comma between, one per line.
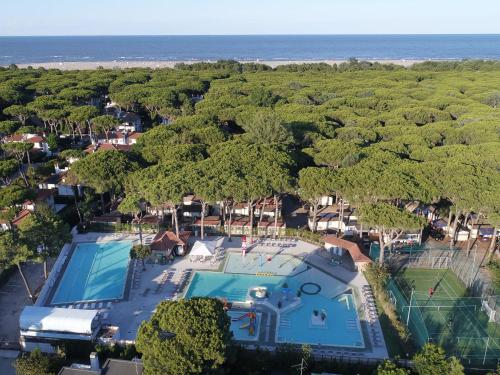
(285,322)
(237,295)
(351,324)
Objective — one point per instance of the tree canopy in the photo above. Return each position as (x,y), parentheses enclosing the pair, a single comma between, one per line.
(185,337)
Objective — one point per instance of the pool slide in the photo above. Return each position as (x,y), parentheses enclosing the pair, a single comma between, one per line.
(250,324)
(248,314)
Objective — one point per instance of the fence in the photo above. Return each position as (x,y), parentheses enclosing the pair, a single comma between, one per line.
(459,325)
(465,265)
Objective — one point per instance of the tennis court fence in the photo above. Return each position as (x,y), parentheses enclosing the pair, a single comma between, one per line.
(465,265)
(456,324)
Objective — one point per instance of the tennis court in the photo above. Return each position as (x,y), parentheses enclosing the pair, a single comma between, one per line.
(447,316)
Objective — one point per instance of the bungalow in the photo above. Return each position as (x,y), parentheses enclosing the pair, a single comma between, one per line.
(430,212)
(18,219)
(42,196)
(131,122)
(39,143)
(113,109)
(119,138)
(440,225)
(239,226)
(211,224)
(409,237)
(326,200)
(59,182)
(162,211)
(328,219)
(339,246)
(264,207)
(166,243)
(192,207)
(108,218)
(266,227)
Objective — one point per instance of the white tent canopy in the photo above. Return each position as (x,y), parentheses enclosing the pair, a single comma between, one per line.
(203,248)
(53,319)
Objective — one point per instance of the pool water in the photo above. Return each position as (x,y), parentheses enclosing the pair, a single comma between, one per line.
(340,326)
(95,272)
(254,263)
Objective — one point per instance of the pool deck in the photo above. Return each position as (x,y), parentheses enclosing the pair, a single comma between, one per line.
(157,282)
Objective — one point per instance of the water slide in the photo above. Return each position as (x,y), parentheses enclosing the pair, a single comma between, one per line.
(248,314)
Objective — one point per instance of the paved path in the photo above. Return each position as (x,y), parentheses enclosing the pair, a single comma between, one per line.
(13,298)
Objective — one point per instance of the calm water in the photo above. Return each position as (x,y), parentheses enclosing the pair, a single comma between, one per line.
(96,271)
(341,327)
(279,47)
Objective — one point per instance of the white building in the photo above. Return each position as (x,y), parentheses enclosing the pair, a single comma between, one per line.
(47,328)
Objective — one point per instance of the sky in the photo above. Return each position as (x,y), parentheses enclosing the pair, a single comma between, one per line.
(237,17)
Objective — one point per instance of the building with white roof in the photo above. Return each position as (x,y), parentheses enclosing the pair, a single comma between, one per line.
(47,327)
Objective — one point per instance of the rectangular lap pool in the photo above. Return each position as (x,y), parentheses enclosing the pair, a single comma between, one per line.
(95,272)
(306,312)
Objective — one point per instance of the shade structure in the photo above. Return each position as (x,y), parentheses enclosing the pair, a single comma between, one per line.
(53,319)
(203,248)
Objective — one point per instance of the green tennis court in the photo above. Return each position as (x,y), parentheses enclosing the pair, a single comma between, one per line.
(448,317)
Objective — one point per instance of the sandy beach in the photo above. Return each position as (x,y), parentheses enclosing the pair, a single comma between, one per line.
(86,65)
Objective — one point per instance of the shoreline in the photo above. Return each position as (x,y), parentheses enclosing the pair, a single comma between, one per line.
(90,65)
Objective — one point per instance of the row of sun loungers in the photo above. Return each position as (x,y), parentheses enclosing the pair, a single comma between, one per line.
(181,284)
(89,305)
(371,308)
(338,353)
(186,274)
(165,277)
(136,275)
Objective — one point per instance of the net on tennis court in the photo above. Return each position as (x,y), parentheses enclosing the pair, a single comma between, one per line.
(459,324)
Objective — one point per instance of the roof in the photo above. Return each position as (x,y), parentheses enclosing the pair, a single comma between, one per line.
(44,194)
(209,220)
(112,135)
(131,116)
(134,135)
(112,217)
(204,248)
(352,247)
(439,223)
(111,367)
(240,222)
(35,139)
(269,223)
(191,198)
(21,216)
(15,138)
(53,319)
(166,240)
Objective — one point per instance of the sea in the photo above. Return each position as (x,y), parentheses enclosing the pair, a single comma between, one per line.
(40,49)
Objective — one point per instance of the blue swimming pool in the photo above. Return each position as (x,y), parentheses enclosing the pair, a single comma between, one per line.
(317,318)
(96,271)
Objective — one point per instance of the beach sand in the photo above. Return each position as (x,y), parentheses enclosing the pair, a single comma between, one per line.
(86,65)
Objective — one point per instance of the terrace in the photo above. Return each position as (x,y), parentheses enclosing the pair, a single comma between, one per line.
(291,261)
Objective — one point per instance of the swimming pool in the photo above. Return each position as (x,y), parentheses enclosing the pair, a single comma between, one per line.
(298,320)
(95,272)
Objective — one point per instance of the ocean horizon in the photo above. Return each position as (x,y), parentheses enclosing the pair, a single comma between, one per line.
(53,49)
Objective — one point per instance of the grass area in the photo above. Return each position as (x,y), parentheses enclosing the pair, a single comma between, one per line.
(396,334)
